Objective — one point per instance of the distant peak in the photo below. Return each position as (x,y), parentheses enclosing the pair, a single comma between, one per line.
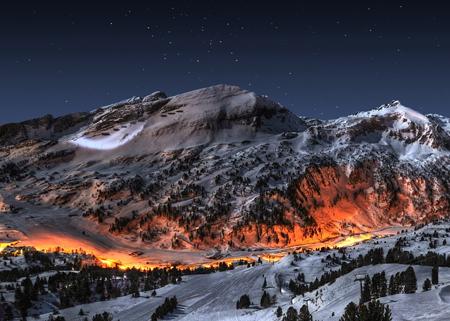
(392,103)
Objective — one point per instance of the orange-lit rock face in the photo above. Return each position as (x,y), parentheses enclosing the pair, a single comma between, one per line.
(341,201)
(344,201)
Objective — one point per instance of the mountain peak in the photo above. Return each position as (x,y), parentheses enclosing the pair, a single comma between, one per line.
(397,110)
(220,113)
(201,169)
(392,103)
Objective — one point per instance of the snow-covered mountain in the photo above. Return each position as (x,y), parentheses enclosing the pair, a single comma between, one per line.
(223,168)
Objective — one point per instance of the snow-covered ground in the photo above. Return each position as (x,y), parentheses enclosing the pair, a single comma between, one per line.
(213,296)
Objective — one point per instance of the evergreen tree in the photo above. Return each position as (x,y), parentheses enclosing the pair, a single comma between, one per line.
(373,311)
(265,300)
(351,313)
(35,289)
(366,293)
(304,314)
(392,287)
(27,287)
(291,315)
(279,312)
(147,286)
(410,280)
(22,302)
(264,283)
(100,286)
(387,314)
(435,274)
(243,302)
(134,288)
(426,285)
(105,316)
(383,285)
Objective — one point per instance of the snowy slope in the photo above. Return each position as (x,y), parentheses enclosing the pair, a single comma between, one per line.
(211,157)
(213,296)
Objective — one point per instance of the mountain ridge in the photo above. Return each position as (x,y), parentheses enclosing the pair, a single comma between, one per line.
(223,168)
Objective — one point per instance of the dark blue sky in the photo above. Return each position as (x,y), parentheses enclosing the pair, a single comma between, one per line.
(323,59)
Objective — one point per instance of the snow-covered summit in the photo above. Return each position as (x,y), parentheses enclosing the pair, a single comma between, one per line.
(219,113)
(406,114)
(200,169)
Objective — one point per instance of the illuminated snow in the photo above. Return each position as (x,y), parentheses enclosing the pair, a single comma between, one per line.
(111,141)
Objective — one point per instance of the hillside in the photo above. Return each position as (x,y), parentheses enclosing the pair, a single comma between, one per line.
(216,171)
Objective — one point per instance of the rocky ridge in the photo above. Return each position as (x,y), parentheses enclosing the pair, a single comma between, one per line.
(224,167)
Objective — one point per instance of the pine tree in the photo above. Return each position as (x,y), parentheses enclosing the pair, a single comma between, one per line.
(147,286)
(435,274)
(383,285)
(105,316)
(375,311)
(366,293)
(264,283)
(22,302)
(375,286)
(392,288)
(351,313)
(265,300)
(304,314)
(279,312)
(387,314)
(243,302)
(410,280)
(291,315)
(35,289)
(426,285)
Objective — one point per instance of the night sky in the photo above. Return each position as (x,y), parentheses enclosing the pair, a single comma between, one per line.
(319,59)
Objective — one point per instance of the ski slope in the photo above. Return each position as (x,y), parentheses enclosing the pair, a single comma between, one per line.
(213,296)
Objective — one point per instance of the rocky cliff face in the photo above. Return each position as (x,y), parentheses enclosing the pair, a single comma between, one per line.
(221,166)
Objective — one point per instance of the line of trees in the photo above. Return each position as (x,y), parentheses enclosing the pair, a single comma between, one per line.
(167,307)
(372,311)
(292,315)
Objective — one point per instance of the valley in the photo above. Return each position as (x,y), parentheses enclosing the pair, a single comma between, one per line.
(212,295)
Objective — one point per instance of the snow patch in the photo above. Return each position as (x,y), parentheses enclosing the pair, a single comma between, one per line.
(111,141)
